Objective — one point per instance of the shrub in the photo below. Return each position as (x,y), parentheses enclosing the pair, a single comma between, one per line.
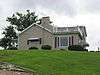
(62,49)
(76,48)
(12,48)
(46,47)
(85,49)
(33,48)
(92,51)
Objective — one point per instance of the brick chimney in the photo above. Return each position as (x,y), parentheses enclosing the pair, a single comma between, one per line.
(46,23)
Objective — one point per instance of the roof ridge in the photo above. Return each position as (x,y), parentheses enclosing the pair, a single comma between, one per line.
(37,25)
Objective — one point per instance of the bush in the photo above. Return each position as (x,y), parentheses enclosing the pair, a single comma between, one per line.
(76,48)
(12,48)
(46,47)
(62,49)
(33,48)
(85,49)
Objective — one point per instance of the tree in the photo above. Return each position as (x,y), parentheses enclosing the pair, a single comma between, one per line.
(4,43)
(22,21)
(9,40)
(19,22)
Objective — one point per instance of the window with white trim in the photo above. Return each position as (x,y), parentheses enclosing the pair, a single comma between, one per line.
(63,41)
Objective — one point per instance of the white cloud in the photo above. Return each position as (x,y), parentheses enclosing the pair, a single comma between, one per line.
(91,21)
(92,6)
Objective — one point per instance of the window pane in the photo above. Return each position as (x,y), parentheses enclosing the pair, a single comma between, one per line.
(63,41)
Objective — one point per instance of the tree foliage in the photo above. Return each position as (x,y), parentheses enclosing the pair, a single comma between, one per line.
(10,38)
(22,21)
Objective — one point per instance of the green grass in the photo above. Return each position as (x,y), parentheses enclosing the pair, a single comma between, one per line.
(55,62)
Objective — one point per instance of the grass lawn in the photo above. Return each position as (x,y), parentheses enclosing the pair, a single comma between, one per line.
(55,62)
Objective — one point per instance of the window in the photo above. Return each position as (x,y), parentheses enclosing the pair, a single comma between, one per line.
(69,41)
(58,41)
(55,42)
(72,40)
(40,40)
(34,40)
(27,42)
(63,41)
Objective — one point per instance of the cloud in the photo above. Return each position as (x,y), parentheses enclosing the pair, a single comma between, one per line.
(92,6)
(59,6)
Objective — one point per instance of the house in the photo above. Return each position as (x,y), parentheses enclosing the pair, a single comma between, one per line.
(45,34)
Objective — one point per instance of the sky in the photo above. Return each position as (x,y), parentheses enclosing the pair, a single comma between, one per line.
(61,12)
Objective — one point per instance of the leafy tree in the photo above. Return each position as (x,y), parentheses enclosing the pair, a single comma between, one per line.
(9,40)
(4,43)
(22,21)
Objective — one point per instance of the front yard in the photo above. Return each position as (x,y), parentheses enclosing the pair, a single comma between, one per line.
(54,62)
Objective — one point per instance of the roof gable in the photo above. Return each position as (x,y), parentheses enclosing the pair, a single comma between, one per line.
(35,25)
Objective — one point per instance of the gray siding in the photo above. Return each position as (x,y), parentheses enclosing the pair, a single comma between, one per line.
(35,31)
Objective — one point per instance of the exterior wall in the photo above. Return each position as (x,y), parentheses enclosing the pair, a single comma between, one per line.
(60,47)
(48,39)
(35,31)
(76,39)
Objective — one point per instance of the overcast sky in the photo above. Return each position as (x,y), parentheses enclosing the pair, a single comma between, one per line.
(61,12)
